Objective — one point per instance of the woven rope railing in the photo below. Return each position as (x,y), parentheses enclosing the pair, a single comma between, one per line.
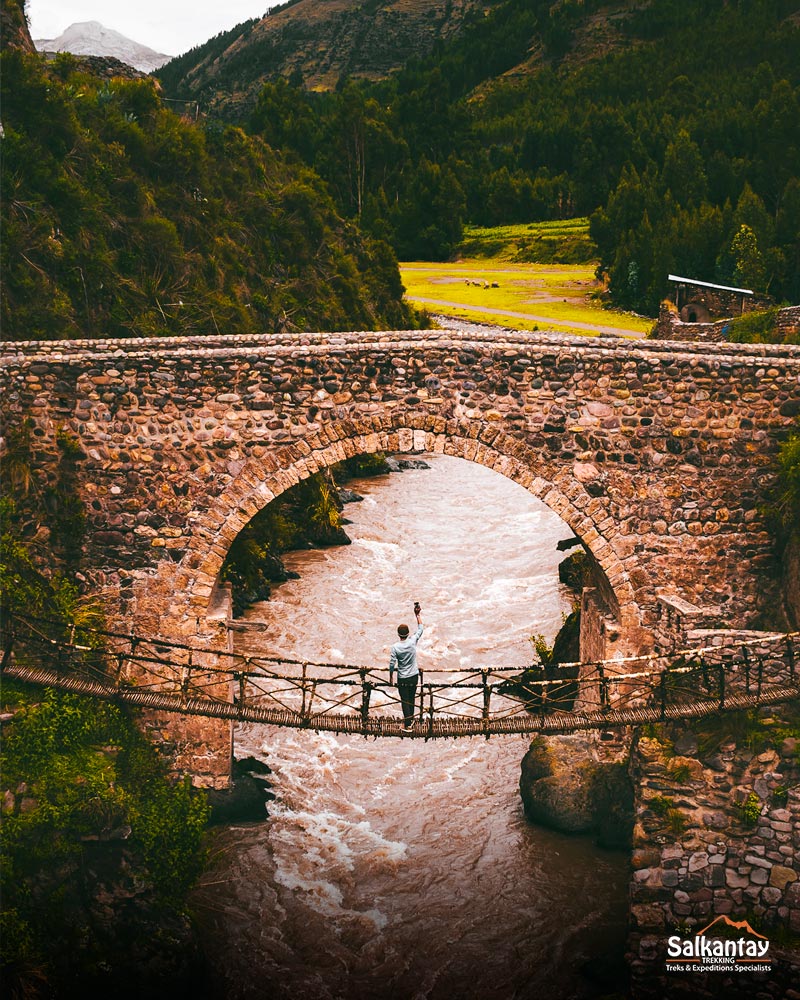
(159,674)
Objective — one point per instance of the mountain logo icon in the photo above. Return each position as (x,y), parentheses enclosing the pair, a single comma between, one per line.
(736,925)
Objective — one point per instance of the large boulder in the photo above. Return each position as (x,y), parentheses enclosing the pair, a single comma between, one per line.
(568,785)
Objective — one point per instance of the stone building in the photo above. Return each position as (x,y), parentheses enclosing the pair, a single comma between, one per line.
(703,302)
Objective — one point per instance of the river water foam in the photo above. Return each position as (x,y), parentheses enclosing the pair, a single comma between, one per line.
(394,868)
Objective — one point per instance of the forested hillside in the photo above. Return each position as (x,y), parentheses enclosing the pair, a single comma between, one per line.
(675,124)
(318,42)
(121,219)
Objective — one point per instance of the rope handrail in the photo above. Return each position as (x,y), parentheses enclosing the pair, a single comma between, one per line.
(555,723)
(247,689)
(343,679)
(673,655)
(150,660)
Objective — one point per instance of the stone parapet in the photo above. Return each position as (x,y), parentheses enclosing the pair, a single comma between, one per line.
(676,618)
(639,448)
(238,344)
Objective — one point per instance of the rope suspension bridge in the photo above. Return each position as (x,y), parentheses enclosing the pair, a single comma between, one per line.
(166,676)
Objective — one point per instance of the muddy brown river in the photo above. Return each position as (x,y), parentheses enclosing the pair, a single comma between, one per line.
(397,868)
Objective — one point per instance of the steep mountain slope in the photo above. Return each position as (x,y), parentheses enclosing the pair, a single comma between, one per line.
(121,219)
(674,124)
(14,30)
(318,41)
(90,38)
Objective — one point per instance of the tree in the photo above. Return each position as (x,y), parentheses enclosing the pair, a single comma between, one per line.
(684,172)
(748,261)
(429,218)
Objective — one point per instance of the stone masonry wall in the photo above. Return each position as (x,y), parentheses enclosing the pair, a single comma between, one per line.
(718,301)
(717,833)
(671,327)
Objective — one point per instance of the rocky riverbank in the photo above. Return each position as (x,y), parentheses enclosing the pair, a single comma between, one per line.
(579,784)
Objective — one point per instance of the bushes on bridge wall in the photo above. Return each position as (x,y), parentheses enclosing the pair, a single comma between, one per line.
(756,328)
(788,506)
(789,501)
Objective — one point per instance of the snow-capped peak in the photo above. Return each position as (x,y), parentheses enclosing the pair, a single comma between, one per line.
(90,38)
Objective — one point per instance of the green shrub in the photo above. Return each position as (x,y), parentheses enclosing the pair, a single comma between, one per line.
(306,514)
(679,772)
(543,650)
(754,328)
(664,807)
(789,480)
(660,804)
(780,796)
(75,769)
(89,770)
(676,822)
(750,809)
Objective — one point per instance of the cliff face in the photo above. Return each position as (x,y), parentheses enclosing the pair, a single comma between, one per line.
(14,28)
(322,40)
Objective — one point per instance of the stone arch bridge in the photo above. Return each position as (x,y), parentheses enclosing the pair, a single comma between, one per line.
(658,456)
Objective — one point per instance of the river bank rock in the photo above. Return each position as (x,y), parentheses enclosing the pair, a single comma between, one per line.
(574,570)
(577,784)
(403,464)
(246,799)
(349,496)
(567,643)
(254,566)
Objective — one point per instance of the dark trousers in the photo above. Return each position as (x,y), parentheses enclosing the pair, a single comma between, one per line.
(408,691)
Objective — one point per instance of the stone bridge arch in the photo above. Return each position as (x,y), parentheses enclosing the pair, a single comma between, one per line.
(195,581)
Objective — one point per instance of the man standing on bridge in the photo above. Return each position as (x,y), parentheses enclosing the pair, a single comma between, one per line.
(403,658)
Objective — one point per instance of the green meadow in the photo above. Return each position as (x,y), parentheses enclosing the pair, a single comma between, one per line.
(492,281)
(565,241)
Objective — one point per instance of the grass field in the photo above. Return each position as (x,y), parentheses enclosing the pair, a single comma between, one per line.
(566,241)
(524,296)
(536,276)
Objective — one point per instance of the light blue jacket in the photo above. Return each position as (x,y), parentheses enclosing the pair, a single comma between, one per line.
(403,657)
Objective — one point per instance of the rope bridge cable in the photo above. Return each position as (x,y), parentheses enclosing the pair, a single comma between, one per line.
(175,677)
(615,663)
(556,723)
